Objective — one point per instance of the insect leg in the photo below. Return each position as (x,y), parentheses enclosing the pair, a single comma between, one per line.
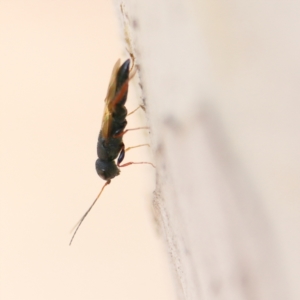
(129,148)
(133,62)
(136,163)
(118,135)
(140,106)
(122,155)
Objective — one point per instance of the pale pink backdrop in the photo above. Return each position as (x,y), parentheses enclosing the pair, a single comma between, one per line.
(55,61)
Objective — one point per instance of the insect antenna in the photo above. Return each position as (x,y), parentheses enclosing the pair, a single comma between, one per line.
(83,217)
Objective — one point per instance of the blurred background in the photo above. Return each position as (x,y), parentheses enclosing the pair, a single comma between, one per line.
(56,58)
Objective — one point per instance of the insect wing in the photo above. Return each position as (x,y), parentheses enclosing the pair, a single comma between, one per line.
(113,82)
(106,120)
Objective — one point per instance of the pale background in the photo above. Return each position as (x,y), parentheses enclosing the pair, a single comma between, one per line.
(55,60)
(222,83)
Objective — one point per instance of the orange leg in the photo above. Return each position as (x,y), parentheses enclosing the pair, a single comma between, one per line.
(122,155)
(125,131)
(129,148)
(140,106)
(136,163)
(133,62)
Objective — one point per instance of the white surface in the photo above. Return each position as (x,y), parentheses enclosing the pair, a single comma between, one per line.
(222,87)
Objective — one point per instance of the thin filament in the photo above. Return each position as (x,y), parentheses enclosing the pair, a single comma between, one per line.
(83,217)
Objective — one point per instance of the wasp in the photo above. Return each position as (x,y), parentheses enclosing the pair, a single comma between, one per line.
(110,147)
